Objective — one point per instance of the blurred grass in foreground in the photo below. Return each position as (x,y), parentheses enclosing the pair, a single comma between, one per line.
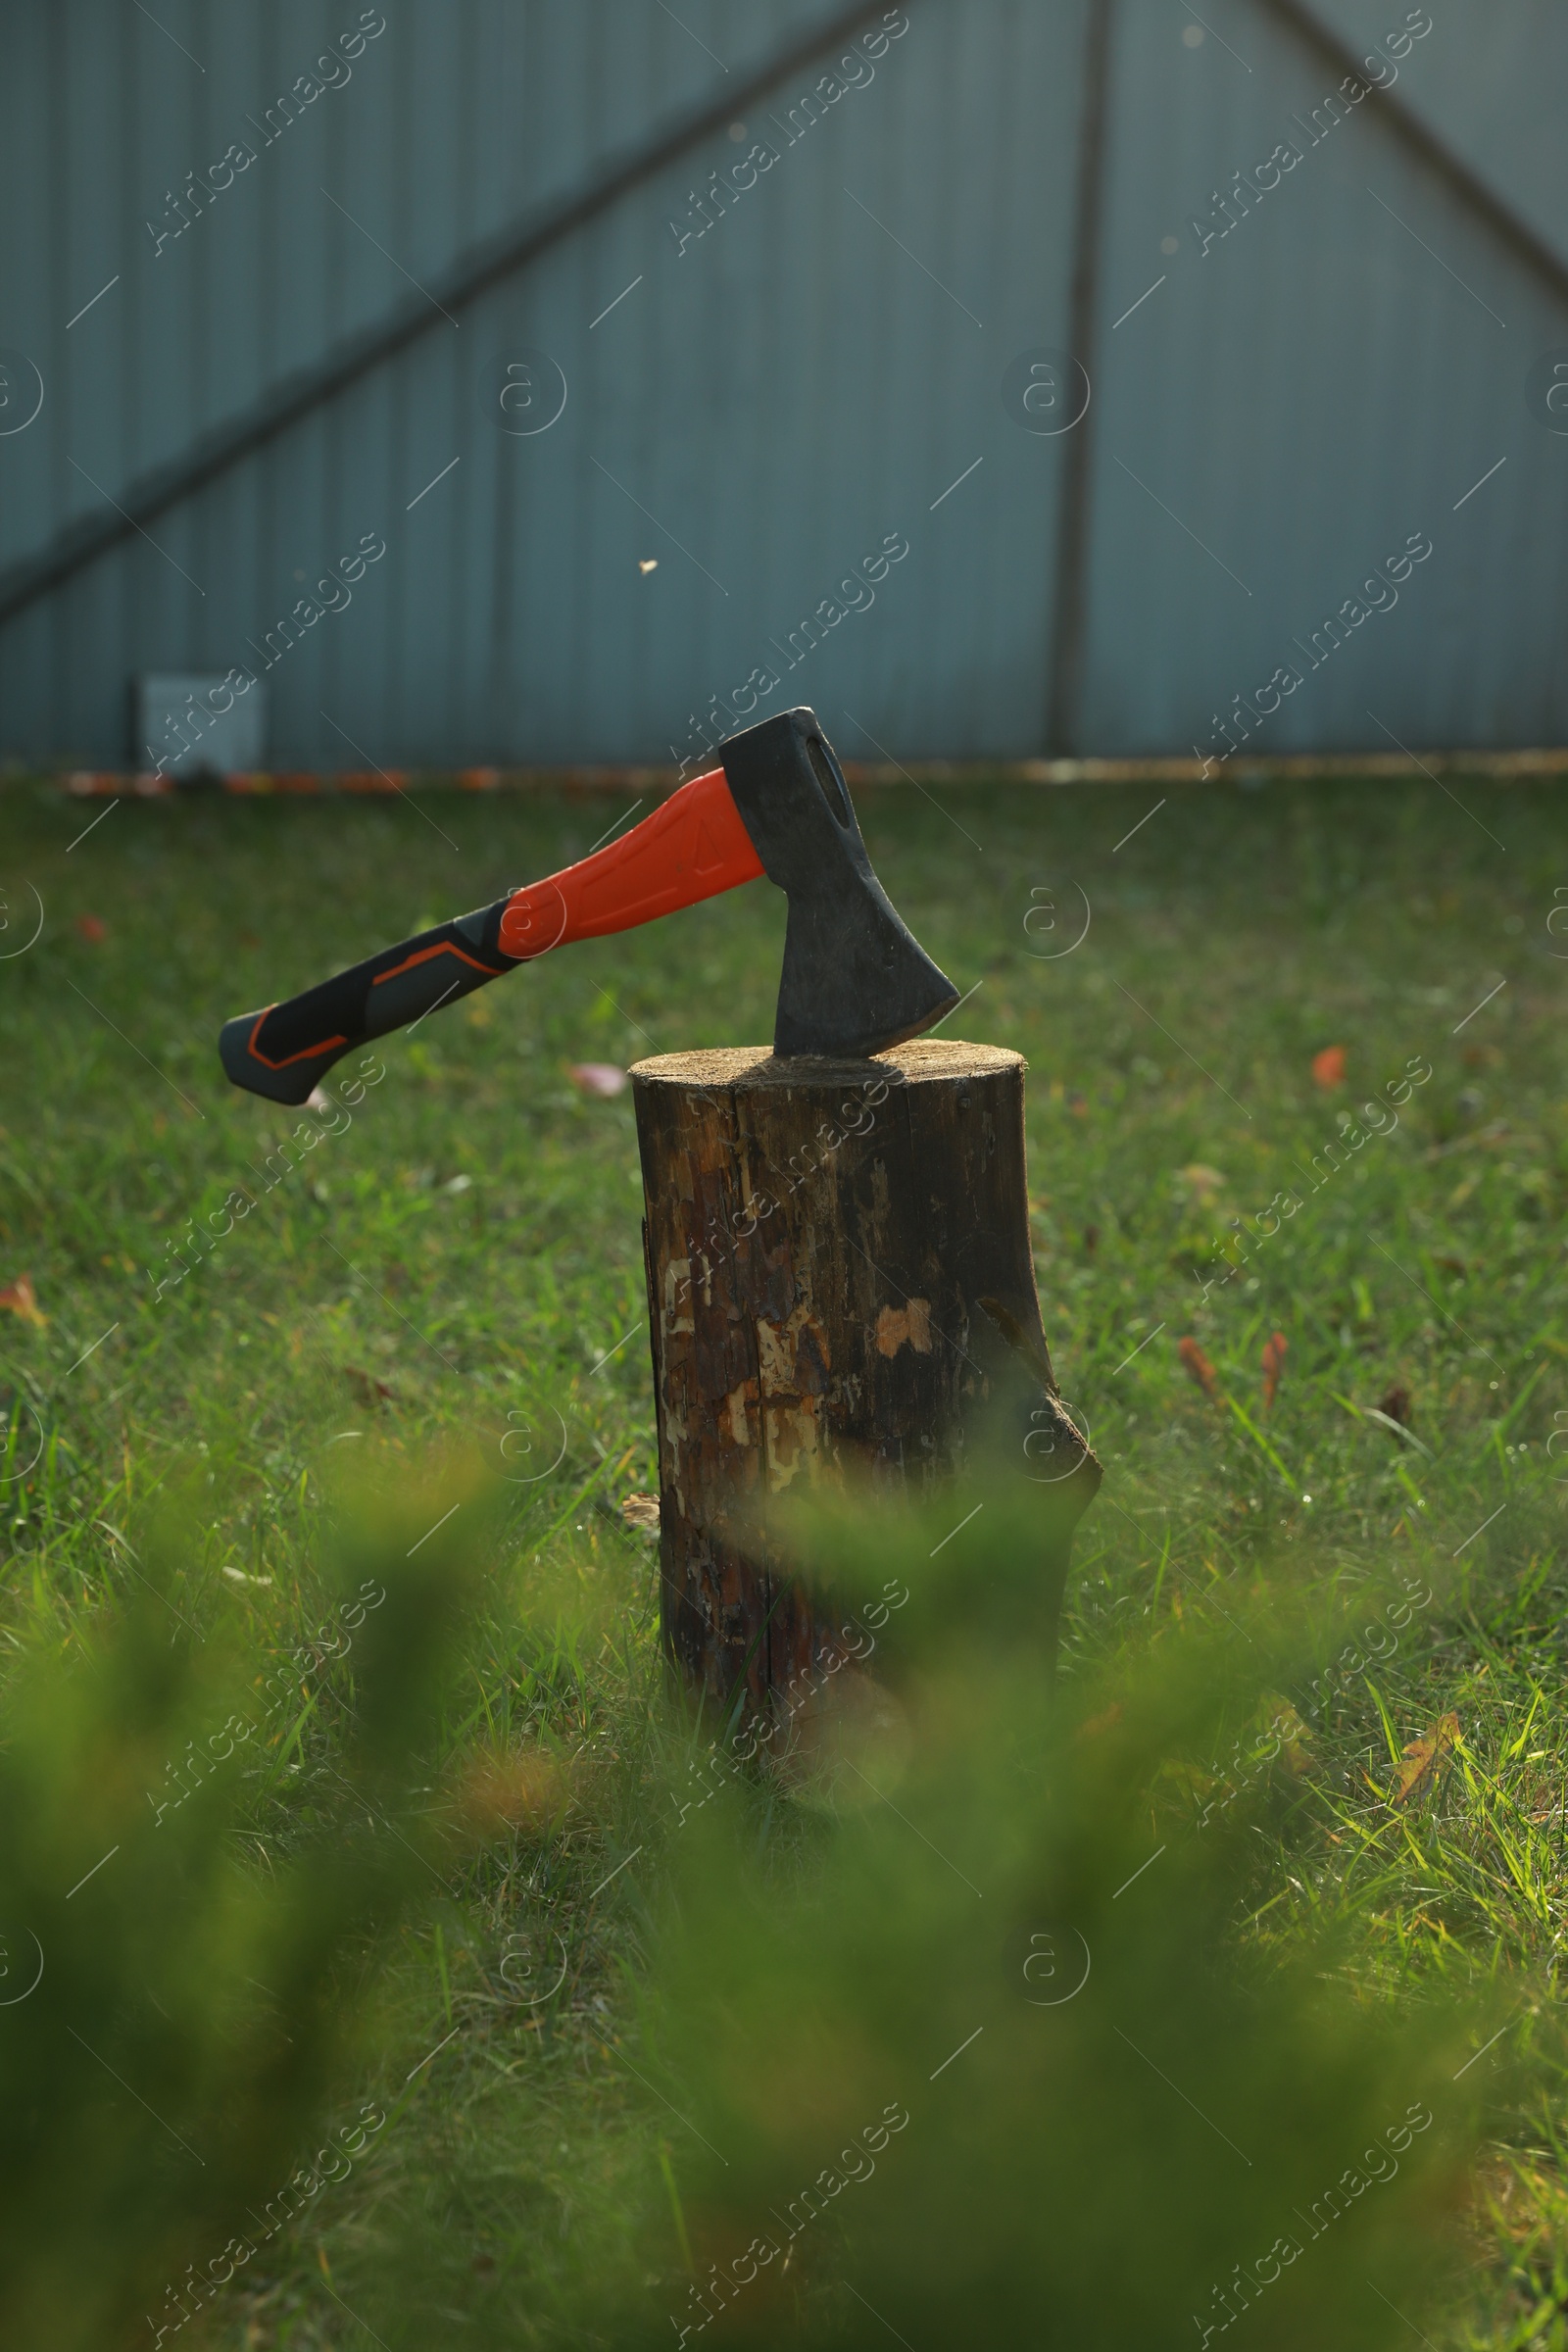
(186,1953)
(993,2058)
(956,2031)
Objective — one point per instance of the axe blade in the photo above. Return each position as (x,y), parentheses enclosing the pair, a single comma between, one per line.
(855,980)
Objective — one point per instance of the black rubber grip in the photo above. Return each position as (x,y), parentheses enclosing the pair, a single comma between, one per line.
(283,1050)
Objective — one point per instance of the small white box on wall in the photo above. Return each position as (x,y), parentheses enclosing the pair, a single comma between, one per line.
(189,724)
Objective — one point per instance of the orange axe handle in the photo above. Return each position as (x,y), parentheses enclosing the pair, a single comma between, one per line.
(692,848)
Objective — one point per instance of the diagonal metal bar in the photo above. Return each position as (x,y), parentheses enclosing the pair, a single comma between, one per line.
(356,356)
(1507,225)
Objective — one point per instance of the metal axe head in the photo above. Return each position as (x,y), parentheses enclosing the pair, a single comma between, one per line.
(855,980)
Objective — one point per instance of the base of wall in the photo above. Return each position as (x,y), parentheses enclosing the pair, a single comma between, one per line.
(1495,766)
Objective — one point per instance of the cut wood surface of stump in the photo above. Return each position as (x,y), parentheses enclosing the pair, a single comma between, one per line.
(839,1276)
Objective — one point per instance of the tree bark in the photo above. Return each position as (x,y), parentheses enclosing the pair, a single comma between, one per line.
(839,1276)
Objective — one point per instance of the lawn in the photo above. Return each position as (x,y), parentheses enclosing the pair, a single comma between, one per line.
(454,1274)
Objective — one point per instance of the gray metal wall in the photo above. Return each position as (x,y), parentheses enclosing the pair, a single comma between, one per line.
(796,385)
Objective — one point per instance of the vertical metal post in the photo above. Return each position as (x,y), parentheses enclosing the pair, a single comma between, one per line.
(1072,521)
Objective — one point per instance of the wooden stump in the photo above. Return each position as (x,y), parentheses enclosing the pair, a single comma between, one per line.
(819,1238)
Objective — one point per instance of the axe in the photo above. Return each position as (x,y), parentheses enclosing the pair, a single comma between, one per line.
(854,979)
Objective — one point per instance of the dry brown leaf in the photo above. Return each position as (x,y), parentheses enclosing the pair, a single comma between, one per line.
(641,1511)
(603,1078)
(1274,1353)
(1107,1721)
(18,1297)
(1294,1737)
(1199,1366)
(1424,1761)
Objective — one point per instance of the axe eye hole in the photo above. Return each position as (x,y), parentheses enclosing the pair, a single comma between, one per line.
(825,769)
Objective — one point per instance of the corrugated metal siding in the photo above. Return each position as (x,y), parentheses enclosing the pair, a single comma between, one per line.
(1493,83)
(1303,395)
(763,408)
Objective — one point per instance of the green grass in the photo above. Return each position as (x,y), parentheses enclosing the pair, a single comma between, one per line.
(459,1269)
